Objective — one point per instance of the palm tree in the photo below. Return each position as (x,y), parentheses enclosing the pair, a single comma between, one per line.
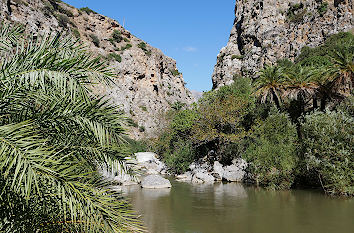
(270,84)
(301,85)
(54,132)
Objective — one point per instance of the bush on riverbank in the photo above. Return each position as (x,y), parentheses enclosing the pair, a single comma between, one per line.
(328,144)
(272,154)
(291,142)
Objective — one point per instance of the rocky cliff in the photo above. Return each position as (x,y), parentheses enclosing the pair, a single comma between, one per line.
(148,81)
(265,31)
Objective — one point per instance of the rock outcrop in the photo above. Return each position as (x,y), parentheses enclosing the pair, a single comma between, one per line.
(147,82)
(265,31)
(208,173)
(155,182)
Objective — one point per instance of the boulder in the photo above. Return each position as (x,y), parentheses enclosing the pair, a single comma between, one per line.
(205,177)
(233,173)
(143,157)
(155,182)
(218,170)
(186,177)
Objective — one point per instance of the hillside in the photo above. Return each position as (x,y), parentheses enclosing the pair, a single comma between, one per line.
(148,81)
(266,31)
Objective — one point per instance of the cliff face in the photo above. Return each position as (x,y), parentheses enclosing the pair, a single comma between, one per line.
(265,31)
(148,80)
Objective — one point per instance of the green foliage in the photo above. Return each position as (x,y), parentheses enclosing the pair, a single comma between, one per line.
(322,9)
(183,122)
(115,56)
(141,128)
(95,40)
(328,144)
(126,39)
(54,133)
(143,46)
(178,106)
(240,57)
(127,46)
(76,33)
(296,13)
(87,10)
(136,146)
(63,20)
(65,11)
(318,56)
(117,36)
(272,153)
(179,159)
(143,108)
(175,72)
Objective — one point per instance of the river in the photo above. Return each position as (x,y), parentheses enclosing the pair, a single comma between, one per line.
(233,207)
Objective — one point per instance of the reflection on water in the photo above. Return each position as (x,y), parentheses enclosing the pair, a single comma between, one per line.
(232,207)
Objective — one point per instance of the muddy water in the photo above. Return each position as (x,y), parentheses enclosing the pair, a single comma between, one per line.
(233,207)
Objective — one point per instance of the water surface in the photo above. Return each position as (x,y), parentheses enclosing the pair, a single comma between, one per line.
(232,207)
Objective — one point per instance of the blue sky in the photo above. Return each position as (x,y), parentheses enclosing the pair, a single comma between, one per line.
(190,31)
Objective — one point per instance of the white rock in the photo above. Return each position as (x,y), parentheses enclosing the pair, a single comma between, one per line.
(233,173)
(143,157)
(218,169)
(240,163)
(205,177)
(155,182)
(186,177)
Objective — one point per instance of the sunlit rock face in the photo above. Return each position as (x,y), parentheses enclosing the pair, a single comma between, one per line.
(147,81)
(265,31)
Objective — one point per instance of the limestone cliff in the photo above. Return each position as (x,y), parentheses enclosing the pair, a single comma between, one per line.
(265,31)
(148,81)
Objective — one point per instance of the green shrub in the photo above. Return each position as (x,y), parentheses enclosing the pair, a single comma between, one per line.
(296,13)
(63,20)
(127,46)
(115,56)
(126,39)
(272,154)
(87,10)
(76,33)
(95,40)
(116,36)
(141,129)
(183,122)
(175,72)
(180,157)
(65,11)
(328,143)
(322,9)
(136,146)
(143,108)
(237,57)
(143,46)
(318,56)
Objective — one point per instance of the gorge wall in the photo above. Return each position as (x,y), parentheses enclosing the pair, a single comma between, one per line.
(265,31)
(148,81)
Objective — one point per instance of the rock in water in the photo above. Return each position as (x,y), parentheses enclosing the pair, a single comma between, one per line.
(155,182)
(204,177)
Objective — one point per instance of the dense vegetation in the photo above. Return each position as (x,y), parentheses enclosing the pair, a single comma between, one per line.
(293,123)
(54,134)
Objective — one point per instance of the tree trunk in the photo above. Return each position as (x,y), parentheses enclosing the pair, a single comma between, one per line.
(276,100)
(314,103)
(323,103)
